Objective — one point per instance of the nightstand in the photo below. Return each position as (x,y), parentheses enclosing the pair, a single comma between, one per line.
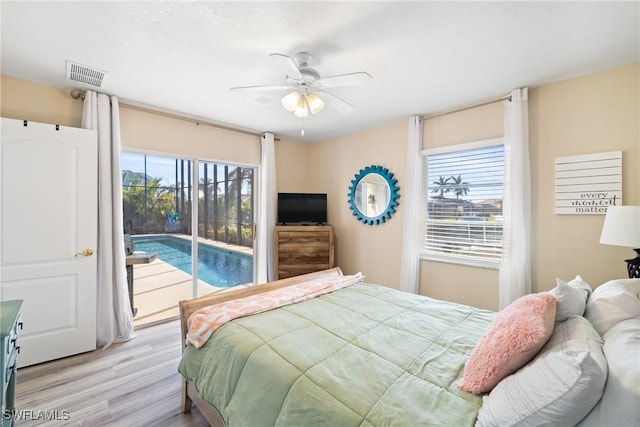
(10,323)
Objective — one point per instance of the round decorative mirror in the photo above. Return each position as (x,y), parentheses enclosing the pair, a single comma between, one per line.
(373,195)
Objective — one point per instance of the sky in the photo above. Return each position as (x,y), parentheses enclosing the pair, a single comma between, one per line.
(165,167)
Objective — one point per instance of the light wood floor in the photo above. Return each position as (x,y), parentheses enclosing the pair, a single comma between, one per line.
(130,384)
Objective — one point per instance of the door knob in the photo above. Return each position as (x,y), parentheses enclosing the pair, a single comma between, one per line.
(86,252)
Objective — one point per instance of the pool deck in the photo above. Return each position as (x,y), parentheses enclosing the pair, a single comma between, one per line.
(158,286)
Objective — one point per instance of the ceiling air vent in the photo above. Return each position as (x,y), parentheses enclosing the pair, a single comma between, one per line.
(86,75)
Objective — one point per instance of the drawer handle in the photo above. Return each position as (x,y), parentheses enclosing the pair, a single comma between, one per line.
(20,325)
(18,349)
(13,367)
(13,342)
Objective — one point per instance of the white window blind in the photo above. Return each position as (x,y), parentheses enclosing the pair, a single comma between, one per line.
(463,203)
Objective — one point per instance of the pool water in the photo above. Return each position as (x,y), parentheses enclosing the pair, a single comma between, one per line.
(217,267)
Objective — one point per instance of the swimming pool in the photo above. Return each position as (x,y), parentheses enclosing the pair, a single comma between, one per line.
(217,267)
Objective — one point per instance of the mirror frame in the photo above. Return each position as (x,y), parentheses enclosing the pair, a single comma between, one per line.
(393,195)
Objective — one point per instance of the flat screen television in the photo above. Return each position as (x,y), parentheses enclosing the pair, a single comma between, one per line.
(302,208)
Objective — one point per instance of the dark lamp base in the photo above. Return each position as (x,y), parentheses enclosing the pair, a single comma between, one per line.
(633,266)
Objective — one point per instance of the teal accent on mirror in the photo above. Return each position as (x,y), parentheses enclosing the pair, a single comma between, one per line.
(373,195)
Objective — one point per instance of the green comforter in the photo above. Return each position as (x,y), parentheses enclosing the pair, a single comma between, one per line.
(365,355)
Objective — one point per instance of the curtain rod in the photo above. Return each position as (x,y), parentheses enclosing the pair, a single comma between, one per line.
(465,107)
(78,94)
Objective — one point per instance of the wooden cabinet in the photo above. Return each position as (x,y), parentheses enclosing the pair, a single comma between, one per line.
(9,325)
(302,249)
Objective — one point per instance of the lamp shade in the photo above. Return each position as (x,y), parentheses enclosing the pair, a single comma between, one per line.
(315,103)
(621,226)
(290,101)
(302,109)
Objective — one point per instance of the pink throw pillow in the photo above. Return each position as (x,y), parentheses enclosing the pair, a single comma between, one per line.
(514,337)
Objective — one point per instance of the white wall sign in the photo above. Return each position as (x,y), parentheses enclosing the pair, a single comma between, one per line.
(588,184)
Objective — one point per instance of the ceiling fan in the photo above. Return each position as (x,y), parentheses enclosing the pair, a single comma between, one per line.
(306,88)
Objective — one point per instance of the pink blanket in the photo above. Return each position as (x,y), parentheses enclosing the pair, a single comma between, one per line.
(205,321)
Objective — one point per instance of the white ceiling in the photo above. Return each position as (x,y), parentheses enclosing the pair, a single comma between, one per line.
(424,56)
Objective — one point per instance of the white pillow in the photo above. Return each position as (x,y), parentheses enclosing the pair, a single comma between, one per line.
(572,297)
(620,403)
(578,282)
(613,302)
(558,387)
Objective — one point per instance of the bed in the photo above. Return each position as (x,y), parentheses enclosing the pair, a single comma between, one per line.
(368,355)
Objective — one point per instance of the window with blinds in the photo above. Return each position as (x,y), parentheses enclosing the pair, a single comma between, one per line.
(463,187)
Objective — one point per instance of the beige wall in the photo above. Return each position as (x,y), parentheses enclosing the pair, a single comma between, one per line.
(291,165)
(592,114)
(374,250)
(377,250)
(139,130)
(24,100)
(596,113)
(468,285)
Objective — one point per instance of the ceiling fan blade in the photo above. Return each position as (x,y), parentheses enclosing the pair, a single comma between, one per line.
(286,65)
(350,79)
(335,102)
(258,88)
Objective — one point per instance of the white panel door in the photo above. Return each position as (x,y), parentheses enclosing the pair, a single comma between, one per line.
(48,219)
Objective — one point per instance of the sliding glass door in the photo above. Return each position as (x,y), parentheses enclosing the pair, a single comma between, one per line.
(158,201)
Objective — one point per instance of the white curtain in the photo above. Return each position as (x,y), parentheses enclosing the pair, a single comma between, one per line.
(267,213)
(515,269)
(114,317)
(410,268)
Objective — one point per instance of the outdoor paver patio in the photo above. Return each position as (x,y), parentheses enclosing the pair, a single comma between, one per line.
(158,286)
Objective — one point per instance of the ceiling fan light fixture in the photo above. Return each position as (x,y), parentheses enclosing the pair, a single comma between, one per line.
(291,101)
(315,103)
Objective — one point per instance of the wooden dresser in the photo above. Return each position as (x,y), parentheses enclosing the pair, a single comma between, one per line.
(9,325)
(302,249)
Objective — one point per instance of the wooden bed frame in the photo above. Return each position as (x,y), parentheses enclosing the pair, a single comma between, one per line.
(188,307)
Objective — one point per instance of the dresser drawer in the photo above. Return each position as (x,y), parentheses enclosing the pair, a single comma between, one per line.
(11,340)
(10,326)
(302,249)
(9,370)
(11,350)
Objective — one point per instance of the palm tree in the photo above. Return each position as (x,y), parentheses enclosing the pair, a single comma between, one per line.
(148,202)
(225,195)
(443,186)
(458,187)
